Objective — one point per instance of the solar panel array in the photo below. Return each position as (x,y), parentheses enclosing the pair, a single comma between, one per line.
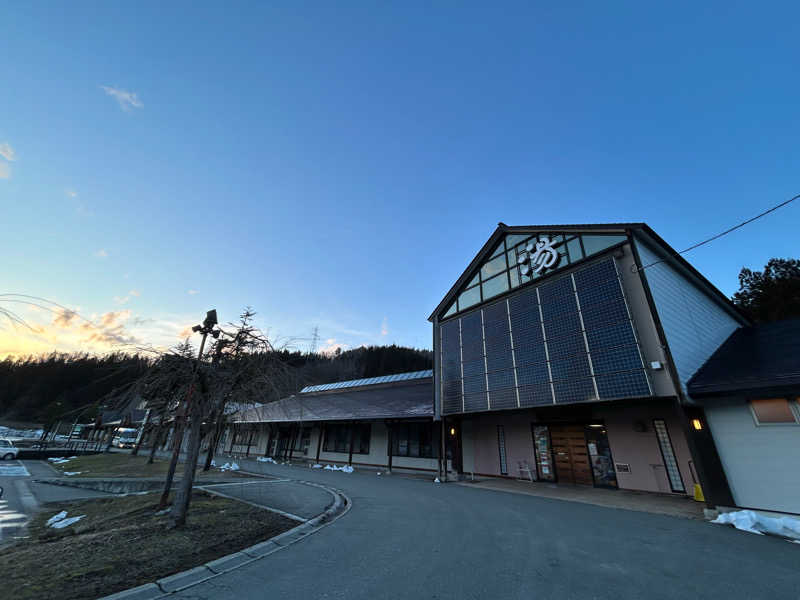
(368,381)
(570,339)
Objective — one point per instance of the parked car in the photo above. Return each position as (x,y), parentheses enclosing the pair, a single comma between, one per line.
(8,451)
(125,438)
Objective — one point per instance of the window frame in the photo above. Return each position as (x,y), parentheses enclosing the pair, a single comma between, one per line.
(794,410)
(407,436)
(329,444)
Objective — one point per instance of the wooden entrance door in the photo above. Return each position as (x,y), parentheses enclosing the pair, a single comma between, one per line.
(571,455)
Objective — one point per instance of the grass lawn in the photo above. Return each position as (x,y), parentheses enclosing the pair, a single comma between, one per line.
(122,543)
(115,464)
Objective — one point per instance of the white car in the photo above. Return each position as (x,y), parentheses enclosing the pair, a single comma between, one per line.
(8,451)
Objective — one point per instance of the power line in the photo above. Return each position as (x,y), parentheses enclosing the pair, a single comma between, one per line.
(726,232)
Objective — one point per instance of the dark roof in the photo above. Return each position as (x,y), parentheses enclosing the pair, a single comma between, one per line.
(642,228)
(351,383)
(759,358)
(400,400)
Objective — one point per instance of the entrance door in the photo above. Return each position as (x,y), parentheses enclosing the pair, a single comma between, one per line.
(571,455)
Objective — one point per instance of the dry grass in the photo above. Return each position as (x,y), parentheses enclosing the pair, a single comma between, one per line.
(122,543)
(124,465)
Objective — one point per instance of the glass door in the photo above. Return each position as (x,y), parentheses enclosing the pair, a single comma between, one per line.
(603,471)
(544,453)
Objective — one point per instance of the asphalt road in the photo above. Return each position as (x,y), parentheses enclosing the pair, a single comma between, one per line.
(22,497)
(409,538)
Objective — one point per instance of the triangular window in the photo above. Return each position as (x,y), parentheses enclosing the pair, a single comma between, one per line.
(521,258)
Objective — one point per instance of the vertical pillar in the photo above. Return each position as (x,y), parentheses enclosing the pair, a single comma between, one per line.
(293,440)
(390,443)
(250,441)
(319,440)
(350,440)
(444,450)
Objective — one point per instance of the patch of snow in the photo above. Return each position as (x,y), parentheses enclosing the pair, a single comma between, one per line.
(213,463)
(437,480)
(71,473)
(162,512)
(266,459)
(753,522)
(56,517)
(317,466)
(343,468)
(229,467)
(61,461)
(66,522)
(379,472)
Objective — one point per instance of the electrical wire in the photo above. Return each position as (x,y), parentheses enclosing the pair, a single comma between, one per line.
(719,235)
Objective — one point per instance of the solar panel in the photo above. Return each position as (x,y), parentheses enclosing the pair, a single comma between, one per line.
(587,351)
(367,381)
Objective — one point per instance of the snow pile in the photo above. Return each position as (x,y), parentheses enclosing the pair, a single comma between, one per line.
(71,473)
(437,480)
(229,467)
(317,466)
(344,468)
(61,461)
(267,459)
(213,463)
(56,517)
(60,520)
(748,520)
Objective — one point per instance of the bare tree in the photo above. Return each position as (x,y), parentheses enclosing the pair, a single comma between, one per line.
(243,370)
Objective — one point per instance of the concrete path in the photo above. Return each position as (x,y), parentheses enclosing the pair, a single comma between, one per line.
(298,501)
(663,504)
(22,497)
(412,538)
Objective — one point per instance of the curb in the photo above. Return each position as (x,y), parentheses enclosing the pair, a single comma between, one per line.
(166,586)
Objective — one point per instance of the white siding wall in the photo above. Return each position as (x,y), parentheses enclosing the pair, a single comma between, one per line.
(759,461)
(377,450)
(694,324)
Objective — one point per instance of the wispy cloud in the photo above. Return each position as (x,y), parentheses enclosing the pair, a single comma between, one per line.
(192,292)
(7,152)
(65,318)
(127,100)
(101,253)
(71,193)
(126,298)
(385,326)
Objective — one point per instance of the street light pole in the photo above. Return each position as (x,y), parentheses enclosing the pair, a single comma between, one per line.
(183,411)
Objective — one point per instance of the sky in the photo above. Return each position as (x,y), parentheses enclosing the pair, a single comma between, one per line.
(337,165)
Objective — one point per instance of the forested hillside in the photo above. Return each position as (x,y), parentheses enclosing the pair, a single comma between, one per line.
(42,389)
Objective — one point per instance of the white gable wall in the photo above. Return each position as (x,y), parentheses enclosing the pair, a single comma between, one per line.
(694,324)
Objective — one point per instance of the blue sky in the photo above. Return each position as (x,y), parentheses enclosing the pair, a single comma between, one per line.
(339,164)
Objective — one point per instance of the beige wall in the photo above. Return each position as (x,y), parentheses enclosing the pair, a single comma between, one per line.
(641,450)
(638,449)
(644,325)
(377,456)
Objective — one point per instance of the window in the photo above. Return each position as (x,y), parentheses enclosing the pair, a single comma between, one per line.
(668,454)
(413,440)
(493,267)
(773,411)
(501,446)
(494,286)
(469,297)
(242,437)
(5,444)
(302,440)
(337,438)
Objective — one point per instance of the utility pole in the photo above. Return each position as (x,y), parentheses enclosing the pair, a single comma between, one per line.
(183,411)
(195,412)
(314,340)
